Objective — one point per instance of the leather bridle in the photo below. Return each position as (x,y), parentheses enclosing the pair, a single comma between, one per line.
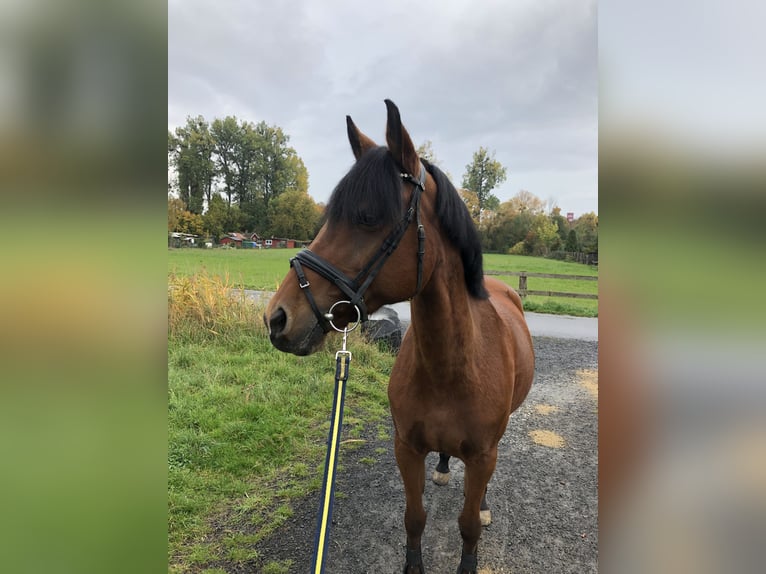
(355,288)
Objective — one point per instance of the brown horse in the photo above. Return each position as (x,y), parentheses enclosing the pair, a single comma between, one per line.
(397,226)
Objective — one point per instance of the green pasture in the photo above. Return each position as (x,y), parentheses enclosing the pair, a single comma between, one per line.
(247,425)
(552,305)
(264,269)
(260,269)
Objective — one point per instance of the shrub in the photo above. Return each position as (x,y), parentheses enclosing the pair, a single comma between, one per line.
(519,249)
(571,243)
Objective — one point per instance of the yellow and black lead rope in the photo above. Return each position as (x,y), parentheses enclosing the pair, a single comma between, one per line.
(322,536)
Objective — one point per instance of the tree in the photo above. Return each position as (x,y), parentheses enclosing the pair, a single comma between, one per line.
(522,225)
(267,168)
(426,151)
(298,175)
(226,138)
(561,223)
(242,159)
(192,158)
(545,234)
(571,243)
(216,220)
(253,162)
(483,175)
(175,208)
(587,230)
(294,215)
(526,201)
(189,222)
(492,203)
(508,227)
(471,201)
(277,166)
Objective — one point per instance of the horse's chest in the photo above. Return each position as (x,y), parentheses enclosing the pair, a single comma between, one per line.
(449,398)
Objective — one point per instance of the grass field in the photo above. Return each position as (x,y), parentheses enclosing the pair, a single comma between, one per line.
(261,269)
(246,423)
(264,269)
(553,305)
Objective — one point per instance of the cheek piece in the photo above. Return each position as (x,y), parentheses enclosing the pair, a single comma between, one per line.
(355,288)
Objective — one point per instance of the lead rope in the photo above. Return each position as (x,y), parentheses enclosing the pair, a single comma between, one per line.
(324,517)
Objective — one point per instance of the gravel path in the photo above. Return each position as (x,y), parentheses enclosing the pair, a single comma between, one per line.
(543,494)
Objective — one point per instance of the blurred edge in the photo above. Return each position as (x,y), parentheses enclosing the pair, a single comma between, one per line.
(82,431)
(682,176)
(83,92)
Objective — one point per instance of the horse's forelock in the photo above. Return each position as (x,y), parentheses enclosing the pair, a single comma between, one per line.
(369,192)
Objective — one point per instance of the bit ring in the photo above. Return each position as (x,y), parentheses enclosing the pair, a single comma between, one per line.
(329,316)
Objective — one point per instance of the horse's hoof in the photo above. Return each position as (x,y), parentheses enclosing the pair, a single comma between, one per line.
(440,478)
(468,564)
(486,517)
(414,563)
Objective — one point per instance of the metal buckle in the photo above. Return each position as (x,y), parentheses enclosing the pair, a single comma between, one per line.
(342,352)
(304,285)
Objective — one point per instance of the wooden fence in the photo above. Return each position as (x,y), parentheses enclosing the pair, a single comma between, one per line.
(523,291)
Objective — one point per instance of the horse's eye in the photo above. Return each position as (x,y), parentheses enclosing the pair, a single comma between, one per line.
(367,219)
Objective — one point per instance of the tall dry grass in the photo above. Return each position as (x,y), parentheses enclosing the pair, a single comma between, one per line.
(203,305)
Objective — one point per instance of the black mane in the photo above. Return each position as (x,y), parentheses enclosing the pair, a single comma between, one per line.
(370,194)
(457,224)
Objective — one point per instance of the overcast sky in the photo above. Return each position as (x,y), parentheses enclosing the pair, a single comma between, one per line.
(519,78)
(690,70)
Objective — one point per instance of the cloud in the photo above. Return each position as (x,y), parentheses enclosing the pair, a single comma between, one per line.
(520,78)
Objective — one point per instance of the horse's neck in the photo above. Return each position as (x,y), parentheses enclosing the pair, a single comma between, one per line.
(442,322)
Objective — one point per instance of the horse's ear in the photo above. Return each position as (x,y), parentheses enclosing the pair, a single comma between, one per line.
(360,143)
(399,141)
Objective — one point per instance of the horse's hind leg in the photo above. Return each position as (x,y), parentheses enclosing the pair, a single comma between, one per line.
(485,515)
(441,473)
(413,470)
(478,471)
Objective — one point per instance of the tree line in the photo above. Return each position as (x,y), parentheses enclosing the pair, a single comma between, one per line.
(523,225)
(232,175)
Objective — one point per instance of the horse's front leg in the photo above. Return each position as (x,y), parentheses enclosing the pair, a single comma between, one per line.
(413,470)
(478,471)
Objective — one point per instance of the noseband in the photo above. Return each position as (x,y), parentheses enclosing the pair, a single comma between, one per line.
(355,288)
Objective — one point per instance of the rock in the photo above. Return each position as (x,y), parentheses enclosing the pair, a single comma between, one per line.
(384,326)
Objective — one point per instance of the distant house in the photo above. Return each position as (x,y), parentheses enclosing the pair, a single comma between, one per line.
(179,239)
(280,242)
(233,239)
(242,240)
(256,240)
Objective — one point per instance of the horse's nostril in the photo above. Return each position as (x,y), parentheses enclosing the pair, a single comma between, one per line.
(277,322)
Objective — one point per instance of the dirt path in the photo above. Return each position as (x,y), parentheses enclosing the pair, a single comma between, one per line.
(543,494)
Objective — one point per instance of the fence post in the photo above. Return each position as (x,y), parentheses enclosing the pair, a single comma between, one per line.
(523,284)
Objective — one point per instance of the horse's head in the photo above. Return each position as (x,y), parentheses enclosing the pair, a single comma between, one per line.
(369,251)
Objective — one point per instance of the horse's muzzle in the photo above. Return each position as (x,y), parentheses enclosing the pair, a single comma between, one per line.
(286,341)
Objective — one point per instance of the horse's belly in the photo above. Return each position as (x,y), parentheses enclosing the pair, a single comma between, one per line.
(442,428)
